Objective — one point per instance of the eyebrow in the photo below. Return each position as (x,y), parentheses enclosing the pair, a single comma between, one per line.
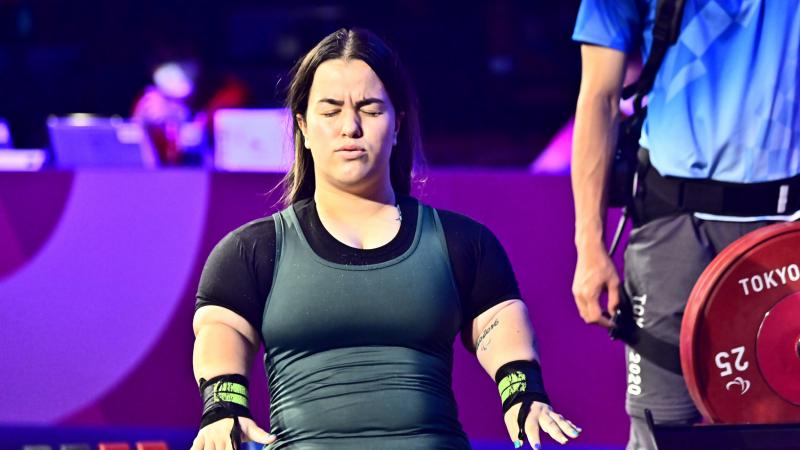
(359,104)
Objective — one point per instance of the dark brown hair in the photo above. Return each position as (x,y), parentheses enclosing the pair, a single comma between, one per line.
(363,45)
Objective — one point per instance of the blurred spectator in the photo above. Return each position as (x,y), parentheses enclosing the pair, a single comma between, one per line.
(178,120)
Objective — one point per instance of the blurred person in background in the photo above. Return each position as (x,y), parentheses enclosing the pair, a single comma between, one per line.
(178,115)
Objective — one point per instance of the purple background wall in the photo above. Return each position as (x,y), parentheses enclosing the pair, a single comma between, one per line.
(98,271)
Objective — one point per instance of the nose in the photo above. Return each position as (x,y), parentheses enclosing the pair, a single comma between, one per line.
(351,124)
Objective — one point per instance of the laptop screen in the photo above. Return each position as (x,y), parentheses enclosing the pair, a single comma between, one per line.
(80,141)
(253,140)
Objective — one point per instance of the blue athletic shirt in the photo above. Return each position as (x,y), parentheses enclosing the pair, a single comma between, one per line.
(724,104)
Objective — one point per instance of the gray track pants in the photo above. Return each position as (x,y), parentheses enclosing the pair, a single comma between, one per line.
(663,260)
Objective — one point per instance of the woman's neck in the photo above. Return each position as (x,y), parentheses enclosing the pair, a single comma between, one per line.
(359,221)
(345,206)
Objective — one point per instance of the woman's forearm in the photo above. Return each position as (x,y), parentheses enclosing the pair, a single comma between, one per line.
(505,335)
(219,350)
(224,343)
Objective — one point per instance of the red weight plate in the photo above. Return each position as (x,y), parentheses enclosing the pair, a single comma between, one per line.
(722,320)
(778,348)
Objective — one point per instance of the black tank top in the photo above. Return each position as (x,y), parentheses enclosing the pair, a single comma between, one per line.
(361,356)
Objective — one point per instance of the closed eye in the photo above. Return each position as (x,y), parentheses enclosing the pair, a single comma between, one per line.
(372,113)
(330,113)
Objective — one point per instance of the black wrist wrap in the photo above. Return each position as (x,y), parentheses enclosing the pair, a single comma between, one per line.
(521,382)
(225,396)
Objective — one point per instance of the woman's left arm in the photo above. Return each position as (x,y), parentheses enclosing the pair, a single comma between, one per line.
(503,339)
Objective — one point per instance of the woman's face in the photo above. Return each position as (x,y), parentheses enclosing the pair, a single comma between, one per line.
(350,126)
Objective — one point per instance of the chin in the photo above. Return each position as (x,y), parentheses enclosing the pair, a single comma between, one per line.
(353,177)
(352,184)
(355,182)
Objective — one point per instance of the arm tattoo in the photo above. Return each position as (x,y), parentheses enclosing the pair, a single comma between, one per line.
(485,333)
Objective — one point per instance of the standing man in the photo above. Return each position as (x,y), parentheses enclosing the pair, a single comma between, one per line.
(721,157)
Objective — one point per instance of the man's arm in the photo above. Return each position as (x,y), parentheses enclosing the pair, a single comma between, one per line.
(593,145)
(503,334)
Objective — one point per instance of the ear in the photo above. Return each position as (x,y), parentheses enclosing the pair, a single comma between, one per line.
(398,121)
(301,122)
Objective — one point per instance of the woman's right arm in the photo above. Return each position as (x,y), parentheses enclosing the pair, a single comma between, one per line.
(225,344)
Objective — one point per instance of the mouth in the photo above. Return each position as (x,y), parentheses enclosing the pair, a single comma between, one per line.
(351,152)
(351,149)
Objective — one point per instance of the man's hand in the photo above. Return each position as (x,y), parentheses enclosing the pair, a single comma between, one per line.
(217,436)
(541,417)
(595,273)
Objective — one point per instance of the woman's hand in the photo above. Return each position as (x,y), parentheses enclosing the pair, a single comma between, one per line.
(217,435)
(541,417)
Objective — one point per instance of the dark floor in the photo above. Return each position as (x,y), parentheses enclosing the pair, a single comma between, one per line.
(16,437)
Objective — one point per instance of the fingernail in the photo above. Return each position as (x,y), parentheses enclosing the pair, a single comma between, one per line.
(537,446)
(517,444)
